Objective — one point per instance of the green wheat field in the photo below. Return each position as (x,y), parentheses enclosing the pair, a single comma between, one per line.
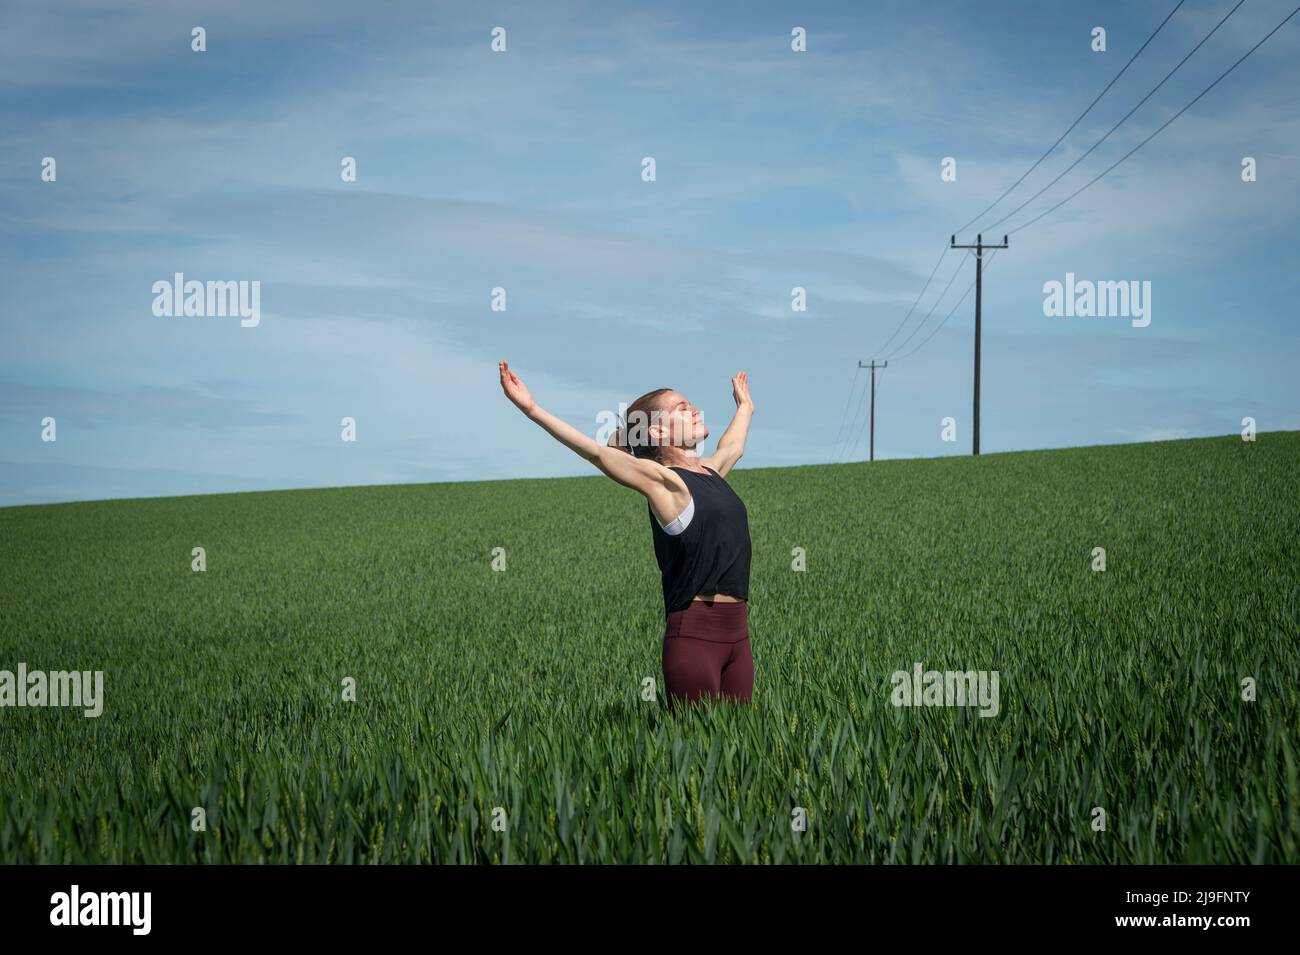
(515,696)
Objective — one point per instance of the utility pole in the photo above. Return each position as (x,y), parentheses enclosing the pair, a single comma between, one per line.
(873,366)
(979,248)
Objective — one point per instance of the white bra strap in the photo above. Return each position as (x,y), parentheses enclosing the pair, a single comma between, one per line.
(678,523)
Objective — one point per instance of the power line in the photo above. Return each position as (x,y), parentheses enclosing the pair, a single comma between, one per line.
(1071,127)
(921,325)
(917,302)
(987,265)
(856,415)
(844,416)
(835,448)
(1077,120)
(1026,225)
(1151,93)
(1104,172)
(854,444)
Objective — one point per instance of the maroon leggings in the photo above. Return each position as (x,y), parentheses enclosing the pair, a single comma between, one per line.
(706,651)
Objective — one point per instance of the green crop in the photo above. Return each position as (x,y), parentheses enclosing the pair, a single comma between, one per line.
(515,695)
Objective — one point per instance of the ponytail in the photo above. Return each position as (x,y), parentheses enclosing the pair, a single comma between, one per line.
(645,408)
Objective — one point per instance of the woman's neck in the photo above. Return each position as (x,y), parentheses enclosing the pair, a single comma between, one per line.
(687,460)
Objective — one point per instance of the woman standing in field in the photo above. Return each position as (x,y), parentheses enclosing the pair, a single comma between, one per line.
(700,529)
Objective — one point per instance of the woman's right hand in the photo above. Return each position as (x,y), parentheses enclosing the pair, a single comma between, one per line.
(515,389)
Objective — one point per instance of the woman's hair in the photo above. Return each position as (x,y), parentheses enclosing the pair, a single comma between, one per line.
(641,414)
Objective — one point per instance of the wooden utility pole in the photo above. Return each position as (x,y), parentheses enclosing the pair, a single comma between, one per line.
(873,366)
(979,248)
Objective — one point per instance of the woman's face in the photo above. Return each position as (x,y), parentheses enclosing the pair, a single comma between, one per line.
(684,428)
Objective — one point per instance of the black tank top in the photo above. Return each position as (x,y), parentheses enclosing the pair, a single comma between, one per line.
(712,555)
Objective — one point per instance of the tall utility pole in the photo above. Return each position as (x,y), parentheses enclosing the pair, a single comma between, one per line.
(873,366)
(979,248)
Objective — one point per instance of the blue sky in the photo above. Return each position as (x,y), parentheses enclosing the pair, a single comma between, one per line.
(522,170)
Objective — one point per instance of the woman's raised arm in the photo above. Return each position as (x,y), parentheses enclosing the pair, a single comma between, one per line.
(731,446)
(640,474)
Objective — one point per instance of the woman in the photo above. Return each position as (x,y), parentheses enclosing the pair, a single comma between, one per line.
(700,529)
